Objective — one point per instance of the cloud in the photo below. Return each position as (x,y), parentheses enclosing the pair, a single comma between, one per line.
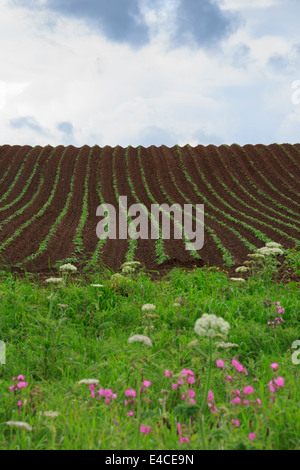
(66,127)
(202,22)
(26,121)
(119,20)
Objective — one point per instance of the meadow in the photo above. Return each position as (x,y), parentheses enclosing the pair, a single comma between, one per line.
(190,360)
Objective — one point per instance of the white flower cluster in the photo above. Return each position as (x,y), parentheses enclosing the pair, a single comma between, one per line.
(211,325)
(148,307)
(241,269)
(55,280)
(140,339)
(267,250)
(237,279)
(68,268)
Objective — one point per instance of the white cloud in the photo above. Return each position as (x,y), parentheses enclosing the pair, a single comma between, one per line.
(59,74)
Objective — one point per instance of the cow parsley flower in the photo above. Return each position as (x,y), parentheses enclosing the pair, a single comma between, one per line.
(211,325)
(148,307)
(68,268)
(140,339)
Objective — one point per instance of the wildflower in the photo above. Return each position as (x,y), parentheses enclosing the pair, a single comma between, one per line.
(257,256)
(248,390)
(19,403)
(140,339)
(145,429)
(241,269)
(146,383)
(182,439)
(88,382)
(186,372)
(226,345)
(229,378)
(130,393)
(130,413)
(147,307)
(235,422)
(251,436)
(279,382)
(168,373)
(55,280)
(273,245)
(237,279)
(210,402)
(235,400)
(20,424)
(22,384)
(274,366)
(208,325)
(220,363)
(191,380)
(68,268)
(265,250)
(128,269)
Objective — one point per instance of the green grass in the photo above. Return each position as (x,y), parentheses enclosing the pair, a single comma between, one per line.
(54,347)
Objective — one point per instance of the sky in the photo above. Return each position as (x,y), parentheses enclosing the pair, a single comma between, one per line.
(149,72)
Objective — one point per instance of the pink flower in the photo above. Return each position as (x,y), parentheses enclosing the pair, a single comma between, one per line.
(210,396)
(191,393)
(20,377)
(182,397)
(271,386)
(274,366)
(251,436)
(19,403)
(145,429)
(130,413)
(11,388)
(248,390)
(146,383)
(183,439)
(220,363)
(130,393)
(258,400)
(168,373)
(180,382)
(107,400)
(229,378)
(174,386)
(192,401)
(191,380)
(279,382)
(235,400)
(235,422)
(186,372)
(22,384)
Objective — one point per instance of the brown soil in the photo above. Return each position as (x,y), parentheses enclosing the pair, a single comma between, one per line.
(160,165)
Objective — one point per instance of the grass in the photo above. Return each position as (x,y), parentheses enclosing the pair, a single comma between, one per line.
(58,335)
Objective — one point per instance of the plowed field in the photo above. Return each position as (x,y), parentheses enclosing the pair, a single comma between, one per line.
(49,197)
